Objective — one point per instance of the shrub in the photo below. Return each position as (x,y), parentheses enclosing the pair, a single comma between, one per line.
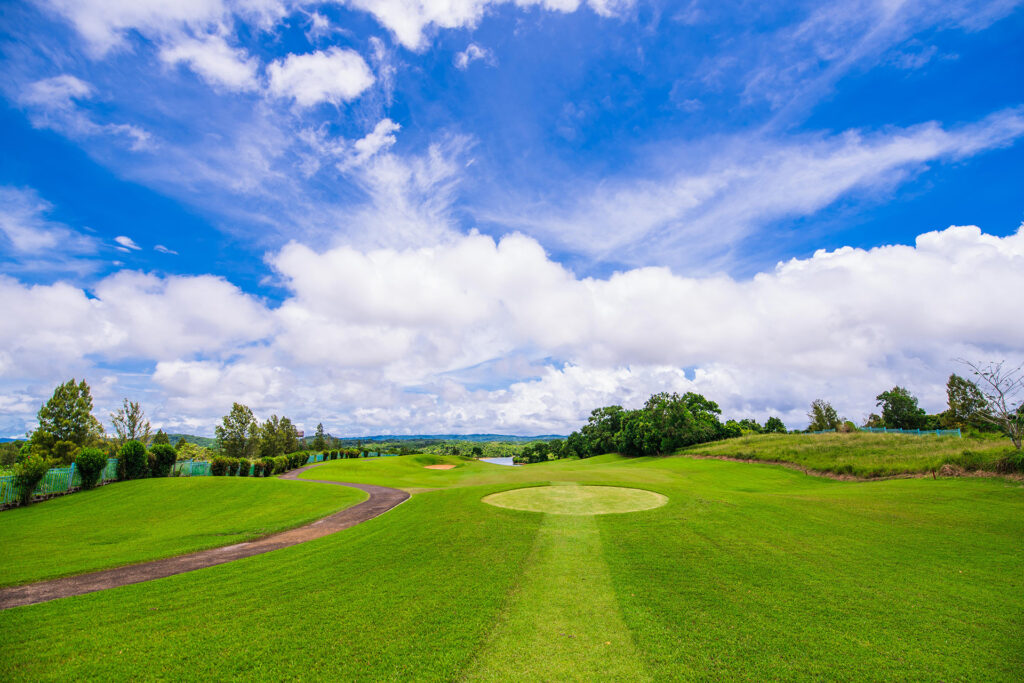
(27,475)
(243,467)
(132,462)
(219,466)
(280,464)
(1011,463)
(90,463)
(164,457)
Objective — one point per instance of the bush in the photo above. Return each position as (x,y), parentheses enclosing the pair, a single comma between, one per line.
(280,464)
(164,457)
(90,463)
(27,475)
(243,467)
(219,466)
(132,462)
(1011,463)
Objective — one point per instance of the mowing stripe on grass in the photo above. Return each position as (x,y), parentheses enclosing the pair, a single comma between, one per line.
(564,621)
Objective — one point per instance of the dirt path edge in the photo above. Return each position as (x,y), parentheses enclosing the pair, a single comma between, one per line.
(380,501)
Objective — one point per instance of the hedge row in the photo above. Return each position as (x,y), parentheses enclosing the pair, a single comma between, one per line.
(222,466)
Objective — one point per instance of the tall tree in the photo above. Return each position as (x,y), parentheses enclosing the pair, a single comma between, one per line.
(161,438)
(774,425)
(318,441)
(899,409)
(67,416)
(130,423)
(237,432)
(966,402)
(822,416)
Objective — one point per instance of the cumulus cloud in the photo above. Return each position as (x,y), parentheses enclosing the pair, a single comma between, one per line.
(477,334)
(215,61)
(334,76)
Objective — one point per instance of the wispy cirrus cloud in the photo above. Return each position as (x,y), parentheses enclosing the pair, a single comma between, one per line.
(692,218)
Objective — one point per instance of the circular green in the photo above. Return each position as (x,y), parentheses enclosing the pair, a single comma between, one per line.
(577,500)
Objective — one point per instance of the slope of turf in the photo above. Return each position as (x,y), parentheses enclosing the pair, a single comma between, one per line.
(749,572)
(863,454)
(147,519)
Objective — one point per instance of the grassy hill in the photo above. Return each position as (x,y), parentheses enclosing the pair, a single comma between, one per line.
(865,454)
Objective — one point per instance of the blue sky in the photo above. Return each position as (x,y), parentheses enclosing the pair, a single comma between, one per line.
(495,216)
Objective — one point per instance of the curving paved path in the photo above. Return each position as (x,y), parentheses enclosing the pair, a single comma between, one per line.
(381,500)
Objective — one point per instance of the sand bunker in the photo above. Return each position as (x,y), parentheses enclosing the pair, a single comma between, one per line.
(577,500)
(439,467)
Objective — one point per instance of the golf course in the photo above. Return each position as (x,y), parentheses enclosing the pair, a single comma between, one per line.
(606,568)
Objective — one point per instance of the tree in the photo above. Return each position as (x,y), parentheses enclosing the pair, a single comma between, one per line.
(161,438)
(164,458)
(67,416)
(181,443)
(600,430)
(823,416)
(237,432)
(319,443)
(774,426)
(1002,388)
(130,423)
(966,402)
(899,409)
(277,436)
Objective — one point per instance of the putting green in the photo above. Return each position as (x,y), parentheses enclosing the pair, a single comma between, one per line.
(577,500)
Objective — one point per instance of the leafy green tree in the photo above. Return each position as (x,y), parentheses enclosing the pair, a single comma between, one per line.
(823,416)
(775,426)
(900,410)
(601,428)
(319,443)
(161,438)
(237,434)
(180,444)
(130,423)
(966,403)
(277,436)
(67,416)
(164,458)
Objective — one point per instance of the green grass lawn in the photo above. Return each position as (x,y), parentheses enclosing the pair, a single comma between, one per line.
(864,454)
(147,519)
(749,572)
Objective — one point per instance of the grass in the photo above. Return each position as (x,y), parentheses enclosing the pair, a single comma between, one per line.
(147,519)
(864,454)
(748,572)
(577,500)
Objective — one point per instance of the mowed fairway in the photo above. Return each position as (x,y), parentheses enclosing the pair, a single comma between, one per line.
(748,572)
(147,519)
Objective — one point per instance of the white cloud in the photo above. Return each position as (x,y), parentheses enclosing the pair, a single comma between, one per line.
(417,339)
(409,20)
(126,243)
(57,103)
(165,250)
(215,61)
(334,76)
(380,138)
(33,242)
(472,53)
(104,24)
(695,216)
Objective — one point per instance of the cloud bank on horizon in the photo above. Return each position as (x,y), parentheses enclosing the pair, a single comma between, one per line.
(433,217)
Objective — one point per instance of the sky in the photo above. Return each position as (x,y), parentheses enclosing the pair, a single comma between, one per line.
(464,216)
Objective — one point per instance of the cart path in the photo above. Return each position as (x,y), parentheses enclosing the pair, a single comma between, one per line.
(380,501)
